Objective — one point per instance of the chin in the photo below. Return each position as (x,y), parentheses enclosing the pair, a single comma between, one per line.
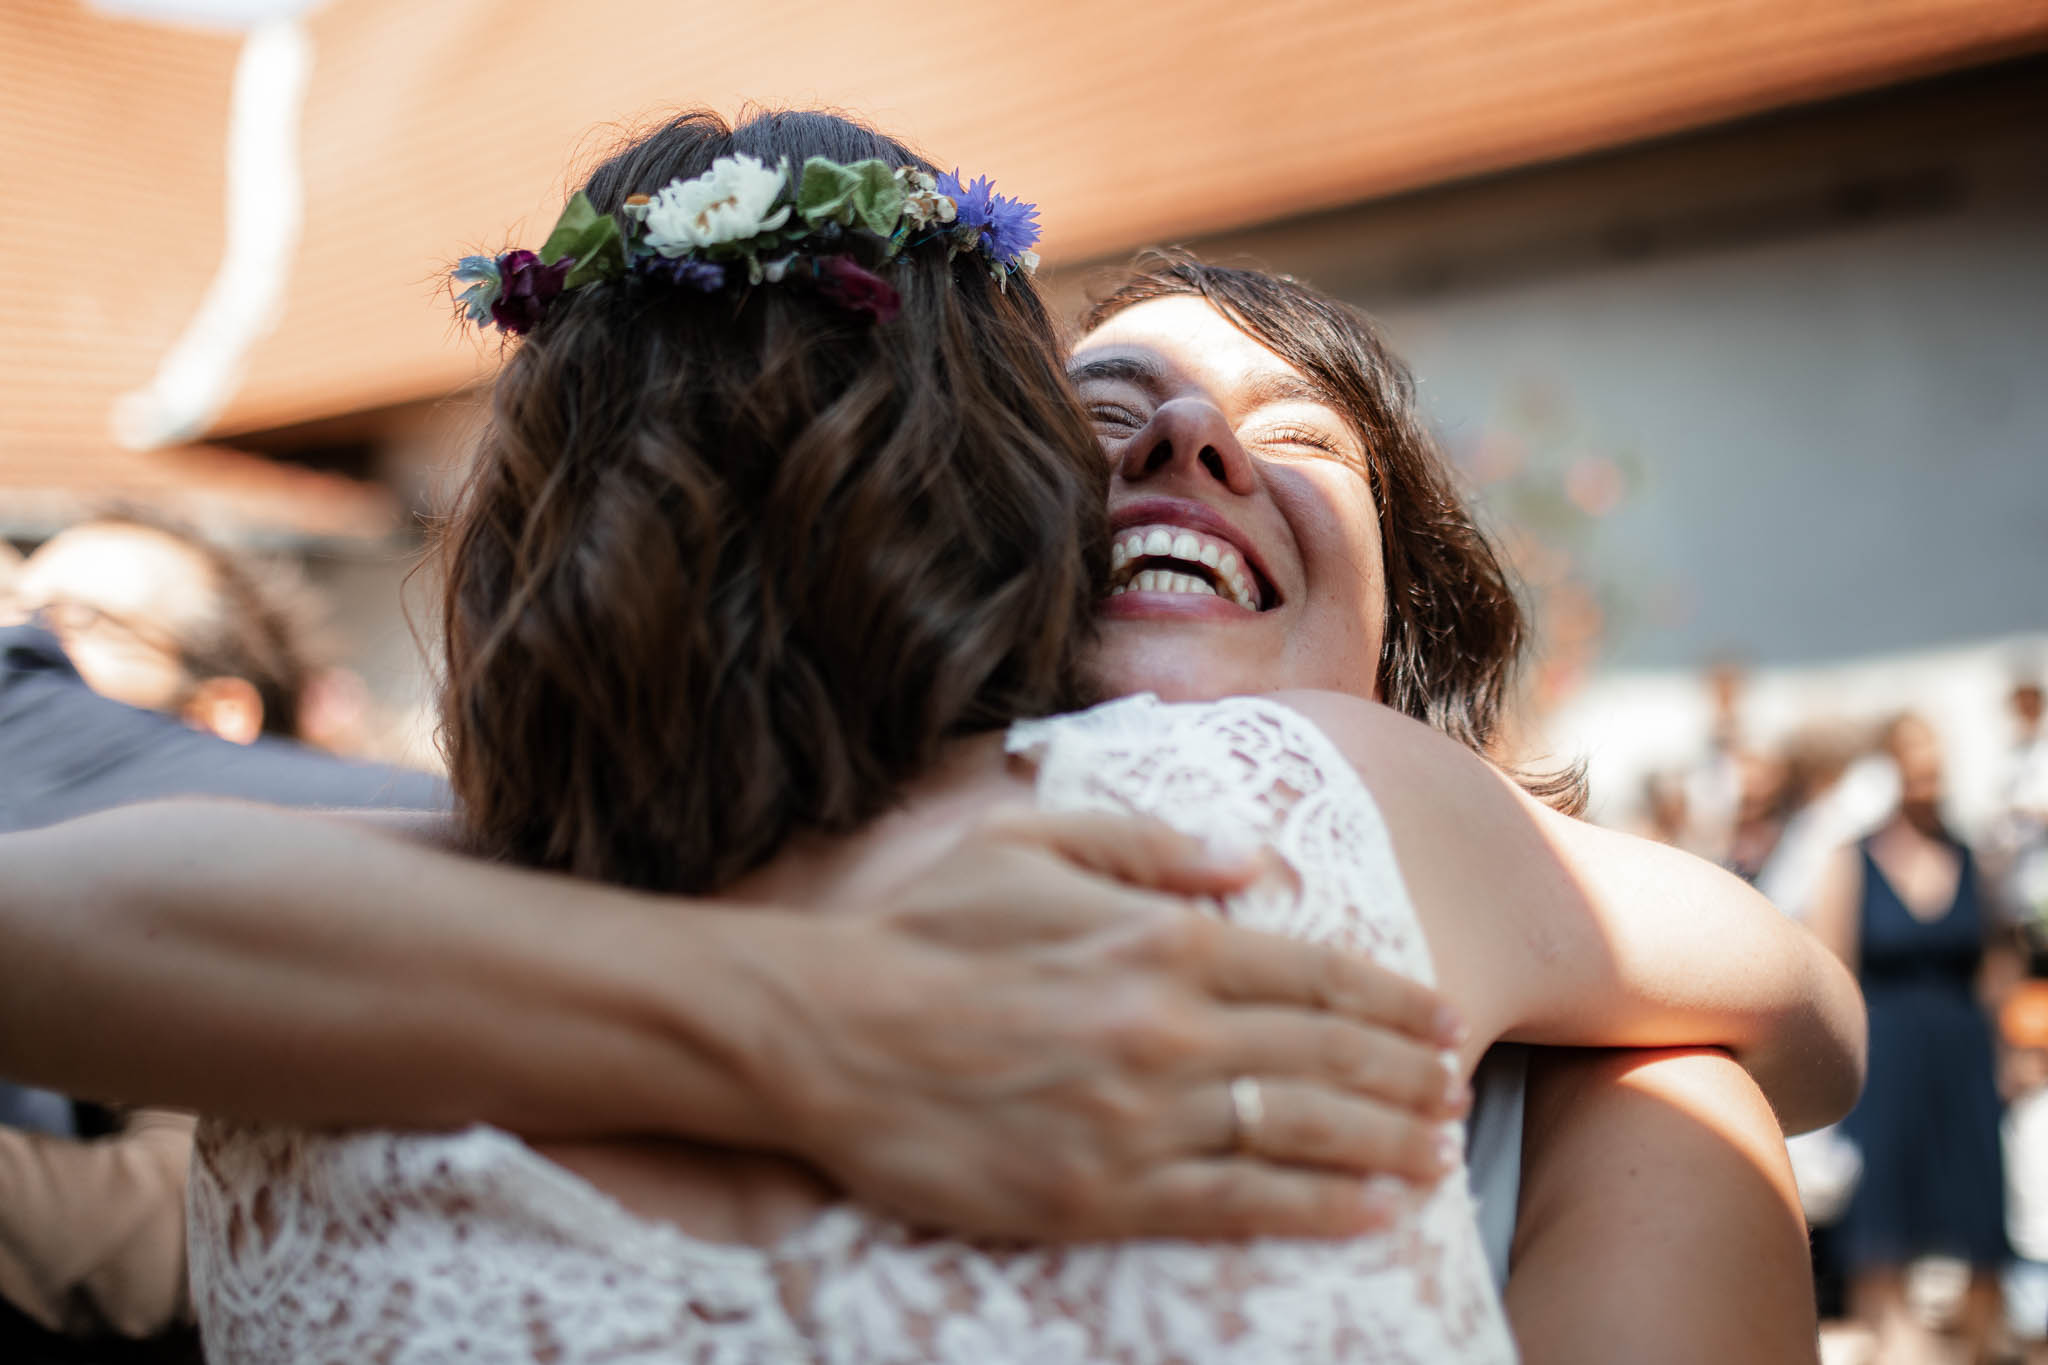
(1176,666)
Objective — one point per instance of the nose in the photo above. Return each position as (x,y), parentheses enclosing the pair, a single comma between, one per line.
(1188,440)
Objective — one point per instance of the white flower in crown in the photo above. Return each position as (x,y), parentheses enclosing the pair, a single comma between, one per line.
(923,205)
(731,202)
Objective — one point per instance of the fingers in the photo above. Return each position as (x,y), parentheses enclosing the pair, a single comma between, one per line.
(1133,849)
(1030,900)
(1244,1197)
(1412,1076)
(1301,1124)
(1251,967)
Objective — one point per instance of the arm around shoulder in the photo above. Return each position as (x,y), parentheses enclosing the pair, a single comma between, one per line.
(1658,1217)
(1551,930)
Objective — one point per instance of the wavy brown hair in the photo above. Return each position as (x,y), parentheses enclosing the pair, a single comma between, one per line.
(731,567)
(1454,629)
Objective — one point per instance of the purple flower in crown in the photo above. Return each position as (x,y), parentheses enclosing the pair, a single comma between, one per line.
(851,285)
(527,288)
(1004,228)
(707,276)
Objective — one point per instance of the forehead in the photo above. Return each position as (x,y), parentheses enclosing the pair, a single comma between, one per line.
(131,570)
(1181,341)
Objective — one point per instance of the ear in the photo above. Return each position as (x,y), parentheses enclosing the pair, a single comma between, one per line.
(228,707)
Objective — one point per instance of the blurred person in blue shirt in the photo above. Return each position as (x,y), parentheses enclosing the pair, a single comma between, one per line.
(137,661)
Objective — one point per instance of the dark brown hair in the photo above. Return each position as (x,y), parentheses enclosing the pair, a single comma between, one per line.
(731,566)
(1454,628)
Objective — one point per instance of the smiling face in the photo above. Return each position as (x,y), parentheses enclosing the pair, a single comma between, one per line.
(1247,547)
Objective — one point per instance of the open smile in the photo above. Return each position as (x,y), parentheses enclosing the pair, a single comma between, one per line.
(1168,547)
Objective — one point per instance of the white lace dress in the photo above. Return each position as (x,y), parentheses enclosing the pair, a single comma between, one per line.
(395,1249)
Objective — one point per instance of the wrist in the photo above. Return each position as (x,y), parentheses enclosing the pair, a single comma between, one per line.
(740,1003)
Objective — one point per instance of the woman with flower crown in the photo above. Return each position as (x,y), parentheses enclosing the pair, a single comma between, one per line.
(784,532)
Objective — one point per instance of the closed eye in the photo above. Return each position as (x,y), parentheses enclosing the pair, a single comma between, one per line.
(1115,414)
(1300,436)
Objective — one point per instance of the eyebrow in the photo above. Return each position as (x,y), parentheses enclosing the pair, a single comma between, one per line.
(1128,368)
(1282,388)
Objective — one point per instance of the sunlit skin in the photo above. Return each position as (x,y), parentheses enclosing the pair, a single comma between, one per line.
(1209,430)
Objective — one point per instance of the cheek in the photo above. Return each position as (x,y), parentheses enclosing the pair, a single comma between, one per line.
(1337,528)
(117,669)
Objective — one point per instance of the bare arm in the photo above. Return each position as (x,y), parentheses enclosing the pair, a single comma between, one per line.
(1658,1217)
(998,1054)
(1551,930)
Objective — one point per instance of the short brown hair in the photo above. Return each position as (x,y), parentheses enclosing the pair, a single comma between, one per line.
(1454,630)
(727,568)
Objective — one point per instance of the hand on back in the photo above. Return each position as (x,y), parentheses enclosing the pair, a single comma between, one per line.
(1039,1042)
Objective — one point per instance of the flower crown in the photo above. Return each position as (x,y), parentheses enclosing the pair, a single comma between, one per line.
(744,219)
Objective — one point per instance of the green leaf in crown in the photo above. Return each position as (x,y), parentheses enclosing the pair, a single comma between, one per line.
(589,238)
(865,194)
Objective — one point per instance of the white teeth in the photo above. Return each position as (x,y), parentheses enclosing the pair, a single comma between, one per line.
(1165,580)
(1232,578)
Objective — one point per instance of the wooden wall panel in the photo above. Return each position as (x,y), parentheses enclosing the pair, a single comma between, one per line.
(434,129)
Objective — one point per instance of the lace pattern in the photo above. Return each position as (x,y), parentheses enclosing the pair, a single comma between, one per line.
(398,1249)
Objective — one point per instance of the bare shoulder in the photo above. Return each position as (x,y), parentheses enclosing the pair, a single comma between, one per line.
(1486,866)
(1380,740)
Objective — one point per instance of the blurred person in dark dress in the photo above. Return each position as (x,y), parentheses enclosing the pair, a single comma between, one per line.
(1903,907)
(136,661)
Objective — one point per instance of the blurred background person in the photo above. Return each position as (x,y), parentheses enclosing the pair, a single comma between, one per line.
(1664,807)
(142,661)
(1904,909)
(2016,853)
(197,645)
(2023,1074)
(2027,776)
(1765,800)
(1715,784)
(1823,811)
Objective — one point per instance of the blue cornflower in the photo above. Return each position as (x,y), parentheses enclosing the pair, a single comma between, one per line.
(1012,229)
(970,202)
(1002,227)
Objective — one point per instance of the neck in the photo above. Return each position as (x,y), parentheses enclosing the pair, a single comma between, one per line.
(1922,817)
(933,810)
